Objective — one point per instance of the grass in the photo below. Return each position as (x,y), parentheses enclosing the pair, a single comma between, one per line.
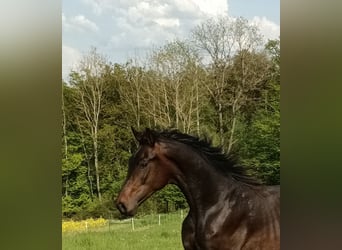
(147,235)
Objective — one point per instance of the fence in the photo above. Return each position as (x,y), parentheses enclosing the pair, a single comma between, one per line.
(148,220)
(132,223)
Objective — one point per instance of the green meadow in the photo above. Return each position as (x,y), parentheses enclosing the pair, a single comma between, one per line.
(146,235)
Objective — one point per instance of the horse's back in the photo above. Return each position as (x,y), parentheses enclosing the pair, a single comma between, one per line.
(272,195)
(267,236)
(274,190)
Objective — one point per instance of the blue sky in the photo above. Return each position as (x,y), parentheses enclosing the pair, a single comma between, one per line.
(251,8)
(124,28)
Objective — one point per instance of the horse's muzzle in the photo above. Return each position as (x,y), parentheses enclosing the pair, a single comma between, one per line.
(122,208)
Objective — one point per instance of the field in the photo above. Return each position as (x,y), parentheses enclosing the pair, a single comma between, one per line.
(146,235)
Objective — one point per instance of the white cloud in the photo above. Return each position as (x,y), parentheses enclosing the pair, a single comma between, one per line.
(269,29)
(70,59)
(84,23)
(78,23)
(139,24)
(210,7)
(167,22)
(207,7)
(98,6)
(133,26)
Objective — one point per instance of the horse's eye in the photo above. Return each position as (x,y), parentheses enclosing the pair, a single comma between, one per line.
(143,163)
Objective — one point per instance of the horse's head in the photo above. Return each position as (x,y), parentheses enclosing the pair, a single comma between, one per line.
(148,172)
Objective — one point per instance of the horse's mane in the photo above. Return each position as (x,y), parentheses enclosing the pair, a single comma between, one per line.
(226,164)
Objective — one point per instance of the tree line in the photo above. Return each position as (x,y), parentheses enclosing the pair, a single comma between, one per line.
(223,83)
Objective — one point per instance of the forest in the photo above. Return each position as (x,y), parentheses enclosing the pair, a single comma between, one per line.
(220,83)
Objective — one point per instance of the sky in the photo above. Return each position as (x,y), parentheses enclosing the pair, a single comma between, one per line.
(122,29)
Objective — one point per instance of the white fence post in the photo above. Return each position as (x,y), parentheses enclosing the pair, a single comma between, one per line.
(159,220)
(132,224)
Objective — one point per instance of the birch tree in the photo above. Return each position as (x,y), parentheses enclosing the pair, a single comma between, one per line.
(176,65)
(90,89)
(221,39)
(215,38)
(131,89)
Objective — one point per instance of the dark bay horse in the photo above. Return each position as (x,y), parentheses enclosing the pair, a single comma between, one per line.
(228,209)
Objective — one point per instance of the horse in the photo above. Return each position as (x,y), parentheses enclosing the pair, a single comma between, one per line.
(228,209)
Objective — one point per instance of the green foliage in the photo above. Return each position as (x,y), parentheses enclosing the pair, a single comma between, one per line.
(260,138)
(170,199)
(260,147)
(175,89)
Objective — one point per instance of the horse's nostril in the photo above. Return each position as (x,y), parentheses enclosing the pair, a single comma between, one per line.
(121,207)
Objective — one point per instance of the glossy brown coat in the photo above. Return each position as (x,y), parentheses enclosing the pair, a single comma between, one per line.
(228,209)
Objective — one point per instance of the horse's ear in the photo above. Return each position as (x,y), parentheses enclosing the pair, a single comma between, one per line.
(137,134)
(150,137)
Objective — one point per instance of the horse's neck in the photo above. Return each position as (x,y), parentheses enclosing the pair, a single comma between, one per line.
(204,187)
(221,204)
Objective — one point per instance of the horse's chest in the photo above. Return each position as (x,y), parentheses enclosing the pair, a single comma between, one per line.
(222,237)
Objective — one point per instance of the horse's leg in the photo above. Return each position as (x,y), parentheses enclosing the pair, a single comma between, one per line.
(188,233)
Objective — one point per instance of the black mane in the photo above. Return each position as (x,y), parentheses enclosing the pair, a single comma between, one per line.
(226,164)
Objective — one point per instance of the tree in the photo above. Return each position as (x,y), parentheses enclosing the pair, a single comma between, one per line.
(230,93)
(90,84)
(246,82)
(222,39)
(131,89)
(177,68)
(214,37)
(260,146)
(73,139)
